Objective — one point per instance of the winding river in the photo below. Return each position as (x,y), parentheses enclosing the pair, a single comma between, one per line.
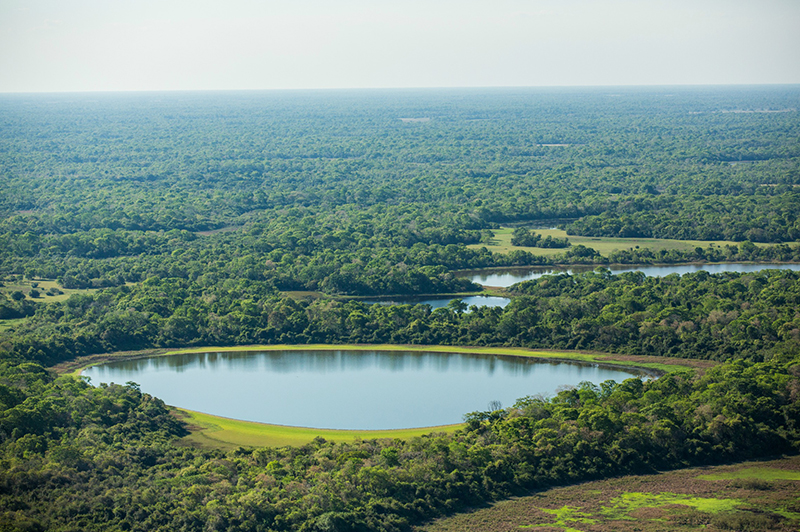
(503,278)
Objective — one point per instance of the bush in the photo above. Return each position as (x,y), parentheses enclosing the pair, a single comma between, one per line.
(745,521)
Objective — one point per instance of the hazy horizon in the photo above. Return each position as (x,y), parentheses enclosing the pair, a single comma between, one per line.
(412,89)
(54,46)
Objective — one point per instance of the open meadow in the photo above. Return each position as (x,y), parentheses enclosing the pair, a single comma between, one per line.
(42,290)
(501,243)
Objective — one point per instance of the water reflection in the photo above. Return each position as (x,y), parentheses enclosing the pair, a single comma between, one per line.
(346,389)
(506,277)
(441,302)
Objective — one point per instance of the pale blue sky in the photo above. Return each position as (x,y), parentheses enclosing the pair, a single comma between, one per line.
(109,45)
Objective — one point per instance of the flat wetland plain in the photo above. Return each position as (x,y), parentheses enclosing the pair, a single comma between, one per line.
(751,496)
(217,432)
(501,243)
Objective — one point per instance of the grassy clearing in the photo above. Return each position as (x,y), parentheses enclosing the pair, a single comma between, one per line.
(564,518)
(8,324)
(675,501)
(605,246)
(43,286)
(757,473)
(627,503)
(218,432)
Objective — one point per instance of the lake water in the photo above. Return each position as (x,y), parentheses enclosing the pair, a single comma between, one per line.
(361,390)
(440,302)
(506,277)
(503,278)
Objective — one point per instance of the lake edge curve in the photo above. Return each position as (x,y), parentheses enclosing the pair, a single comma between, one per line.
(230,433)
(655,366)
(209,430)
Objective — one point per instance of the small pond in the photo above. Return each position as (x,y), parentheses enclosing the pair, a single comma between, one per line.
(506,277)
(361,390)
(440,302)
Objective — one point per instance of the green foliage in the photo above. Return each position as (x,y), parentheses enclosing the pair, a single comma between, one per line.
(191,213)
(713,217)
(700,315)
(104,454)
(334,192)
(523,236)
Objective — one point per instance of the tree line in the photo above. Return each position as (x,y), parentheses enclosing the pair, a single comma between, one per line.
(76,457)
(196,216)
(700,315)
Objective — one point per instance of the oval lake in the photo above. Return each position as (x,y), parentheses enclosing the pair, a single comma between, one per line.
(358,390)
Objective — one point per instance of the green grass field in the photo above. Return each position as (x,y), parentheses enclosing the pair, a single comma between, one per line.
(43,286)
(217,432)
(605,246)
(756,473)
(8,324)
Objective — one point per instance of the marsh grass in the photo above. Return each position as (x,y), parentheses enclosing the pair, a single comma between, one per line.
(674,501)
(501,243)
(760,474)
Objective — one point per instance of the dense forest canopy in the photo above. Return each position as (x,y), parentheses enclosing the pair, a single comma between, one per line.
(320,177)
(200,219)
(199,161)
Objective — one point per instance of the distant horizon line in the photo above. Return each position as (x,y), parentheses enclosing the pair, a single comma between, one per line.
(420,88)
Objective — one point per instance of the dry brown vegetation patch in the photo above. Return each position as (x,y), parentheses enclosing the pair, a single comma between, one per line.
(714,506)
